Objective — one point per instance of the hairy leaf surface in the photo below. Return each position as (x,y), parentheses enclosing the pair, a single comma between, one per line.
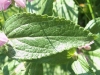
(34,36)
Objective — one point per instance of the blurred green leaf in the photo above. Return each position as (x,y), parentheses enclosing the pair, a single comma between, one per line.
(94,26)
(40,7)
(63,8)
(66,9)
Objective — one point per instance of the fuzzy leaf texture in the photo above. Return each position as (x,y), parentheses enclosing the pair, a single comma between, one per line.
(46,38)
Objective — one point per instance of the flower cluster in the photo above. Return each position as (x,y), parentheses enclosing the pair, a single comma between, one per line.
(86,46)
(4,4)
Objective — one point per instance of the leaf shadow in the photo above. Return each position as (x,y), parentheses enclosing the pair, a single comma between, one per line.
(33,6)
(5,70)
(11,52)
(70,10)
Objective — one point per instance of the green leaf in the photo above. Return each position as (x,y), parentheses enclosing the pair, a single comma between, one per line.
(87,64)
(30,68)
(40,7)
(34,36)
(14,67)
(82,67)
(94,25)
(66,9)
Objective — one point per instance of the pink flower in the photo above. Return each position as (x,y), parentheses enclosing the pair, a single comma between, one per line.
(4,4)
(3,39)
(20,3)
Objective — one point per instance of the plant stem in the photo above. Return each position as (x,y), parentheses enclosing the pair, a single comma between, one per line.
(19,10)
(90,8)
(3,15)
(82,10)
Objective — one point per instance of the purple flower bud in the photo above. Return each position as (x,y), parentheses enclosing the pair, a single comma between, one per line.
(3,39)
(87,47)
(4,4)
(20,3)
